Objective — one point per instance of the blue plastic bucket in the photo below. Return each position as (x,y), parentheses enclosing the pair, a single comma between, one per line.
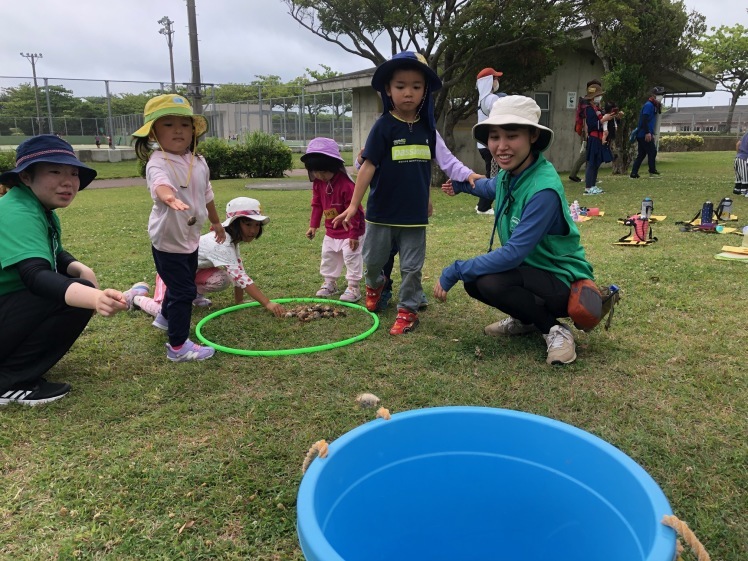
(475,483)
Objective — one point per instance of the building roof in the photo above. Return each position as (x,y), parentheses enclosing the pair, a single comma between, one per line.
(716,114)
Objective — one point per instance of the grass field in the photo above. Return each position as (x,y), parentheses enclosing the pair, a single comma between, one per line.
(150,460)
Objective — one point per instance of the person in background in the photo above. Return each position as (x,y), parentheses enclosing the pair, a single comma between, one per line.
(47,296)
(581,131)
(645,134)
(594,120)
(741,167)
(488,85)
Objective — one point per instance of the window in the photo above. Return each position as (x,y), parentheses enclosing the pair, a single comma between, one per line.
(543,99)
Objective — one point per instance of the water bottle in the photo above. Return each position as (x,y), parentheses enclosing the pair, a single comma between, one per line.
(725,206)
(575,211)
(707,213)
(745,236)
(647,208)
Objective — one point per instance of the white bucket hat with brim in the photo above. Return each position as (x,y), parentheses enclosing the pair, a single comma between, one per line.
(514,110)
(244,207)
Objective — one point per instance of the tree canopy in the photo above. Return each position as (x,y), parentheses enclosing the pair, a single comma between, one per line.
(724,57)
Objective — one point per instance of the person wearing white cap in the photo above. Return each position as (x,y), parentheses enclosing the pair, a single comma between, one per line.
(219,265)
(529,276)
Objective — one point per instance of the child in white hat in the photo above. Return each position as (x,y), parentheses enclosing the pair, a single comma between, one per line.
(219,265)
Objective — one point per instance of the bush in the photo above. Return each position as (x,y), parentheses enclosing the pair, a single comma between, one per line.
(268,155)
(681,143)
(7,160)
(216,153)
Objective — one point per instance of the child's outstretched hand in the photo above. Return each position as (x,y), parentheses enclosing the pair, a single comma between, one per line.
(109,302)
(166,195)
(344,218)
(220,232)
(473,177)
(448,189)
(310,233)
(276,309)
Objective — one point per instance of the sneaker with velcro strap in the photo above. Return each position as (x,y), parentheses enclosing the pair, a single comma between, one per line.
(189,352)
(35,393)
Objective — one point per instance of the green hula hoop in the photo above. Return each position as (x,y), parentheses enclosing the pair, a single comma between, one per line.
(286,352)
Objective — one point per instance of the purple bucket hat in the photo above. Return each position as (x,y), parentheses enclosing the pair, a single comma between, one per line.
(324,146)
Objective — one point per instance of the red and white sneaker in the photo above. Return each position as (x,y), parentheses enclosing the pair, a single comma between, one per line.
(405,322)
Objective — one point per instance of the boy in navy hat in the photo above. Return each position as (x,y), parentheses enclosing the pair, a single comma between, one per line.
(46,295)
(397,165)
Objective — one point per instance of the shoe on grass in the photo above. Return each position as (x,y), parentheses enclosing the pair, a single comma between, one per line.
(384,300)
(327,289)
(488,212)
(424,303)
(189,352)
(35,393)
(161,323)
(138,289)
(575,179)
(351,294)
(202,302)
(405,322)
(561,346)
(373,296)
(509,327)
(595,190)
(634,176)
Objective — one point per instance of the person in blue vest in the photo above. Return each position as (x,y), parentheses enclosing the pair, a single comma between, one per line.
(529,276)
(645,133)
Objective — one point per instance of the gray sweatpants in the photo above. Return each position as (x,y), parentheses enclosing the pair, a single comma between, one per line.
(378,241)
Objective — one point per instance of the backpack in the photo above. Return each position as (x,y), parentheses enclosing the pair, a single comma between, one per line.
(589,304)
(580,118)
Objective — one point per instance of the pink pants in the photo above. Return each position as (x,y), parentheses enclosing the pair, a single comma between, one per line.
(334,254)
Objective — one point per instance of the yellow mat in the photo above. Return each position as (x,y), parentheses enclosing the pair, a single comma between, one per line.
(652,219)
(697,221)
(584,218)
(735,249)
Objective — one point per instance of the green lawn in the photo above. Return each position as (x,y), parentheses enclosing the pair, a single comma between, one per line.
(150,460)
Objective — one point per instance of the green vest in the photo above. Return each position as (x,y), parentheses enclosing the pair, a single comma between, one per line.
(561,255)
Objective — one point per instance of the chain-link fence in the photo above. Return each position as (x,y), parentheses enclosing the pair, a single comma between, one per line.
(83,110)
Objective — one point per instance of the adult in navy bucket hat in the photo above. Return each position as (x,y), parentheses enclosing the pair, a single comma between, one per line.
(46,295)
(48,148)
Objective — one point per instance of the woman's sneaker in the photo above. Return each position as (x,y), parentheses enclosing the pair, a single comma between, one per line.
(35,393)
(351,294)
(593,191)
(138,289)
(189,352)
(509,327)
(327,289)
(161,323)
(561,346)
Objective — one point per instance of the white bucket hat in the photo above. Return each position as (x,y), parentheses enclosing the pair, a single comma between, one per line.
(514,110)
(244,207)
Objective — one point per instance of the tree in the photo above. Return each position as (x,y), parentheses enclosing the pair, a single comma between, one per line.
(724,56)
(637,41)
(457,37)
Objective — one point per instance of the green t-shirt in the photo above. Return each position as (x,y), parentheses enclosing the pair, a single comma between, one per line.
(27,230)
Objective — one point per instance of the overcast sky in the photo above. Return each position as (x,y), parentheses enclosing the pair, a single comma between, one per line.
(238,40)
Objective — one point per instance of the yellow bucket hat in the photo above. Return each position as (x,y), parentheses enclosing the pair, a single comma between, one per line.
(170,104)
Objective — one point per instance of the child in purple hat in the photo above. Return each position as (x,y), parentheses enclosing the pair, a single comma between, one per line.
(46,295)
(332,192)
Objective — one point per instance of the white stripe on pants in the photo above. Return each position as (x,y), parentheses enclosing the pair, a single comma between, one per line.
(741,171)
(336,252)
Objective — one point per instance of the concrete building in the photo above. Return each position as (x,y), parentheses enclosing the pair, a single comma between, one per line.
(703,119)
(557,97)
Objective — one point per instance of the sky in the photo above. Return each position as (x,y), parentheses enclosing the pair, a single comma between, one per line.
(238,40)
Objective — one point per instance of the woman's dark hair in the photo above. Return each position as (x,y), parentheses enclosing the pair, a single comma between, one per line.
(321,162)
(235,230)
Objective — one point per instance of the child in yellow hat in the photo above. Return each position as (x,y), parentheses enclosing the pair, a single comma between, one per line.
(179,183)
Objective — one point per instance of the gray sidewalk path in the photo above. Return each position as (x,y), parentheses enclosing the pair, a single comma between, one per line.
(298,183)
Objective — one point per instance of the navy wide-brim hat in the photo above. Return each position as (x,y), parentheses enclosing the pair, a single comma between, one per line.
(47,148)
(407,60)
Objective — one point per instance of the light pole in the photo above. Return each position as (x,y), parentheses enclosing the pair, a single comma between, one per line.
(168,32)
(32,58)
